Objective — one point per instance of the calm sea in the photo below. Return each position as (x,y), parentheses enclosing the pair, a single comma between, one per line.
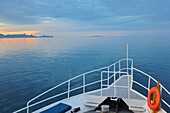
(31,66)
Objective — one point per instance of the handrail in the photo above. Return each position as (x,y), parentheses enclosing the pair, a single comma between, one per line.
(152,79)
(148,88)
(108,71)
(68,82)
(120,61)
(114,72)
(61,85)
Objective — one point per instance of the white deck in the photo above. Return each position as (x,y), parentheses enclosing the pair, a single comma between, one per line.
(121,89)
(78,101)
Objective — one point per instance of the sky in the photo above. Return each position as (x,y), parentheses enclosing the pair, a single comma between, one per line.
(85,17)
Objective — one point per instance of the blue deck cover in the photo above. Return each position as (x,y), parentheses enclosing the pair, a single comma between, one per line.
(59,108)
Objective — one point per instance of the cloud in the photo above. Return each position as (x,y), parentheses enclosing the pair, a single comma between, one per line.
(82,16)
(35,11)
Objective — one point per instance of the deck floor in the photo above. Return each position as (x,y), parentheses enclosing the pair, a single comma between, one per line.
(119,92)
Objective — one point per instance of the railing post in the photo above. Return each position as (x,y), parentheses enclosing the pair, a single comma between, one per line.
(84,82)
(161,94)
(127,67)
(114,81)
(132,68)
(127,57)
(114,69)
(68,88)
(128,87)
(128,77)
(27,107)
(119,68)
(149,84)
(108,76)
(101,75)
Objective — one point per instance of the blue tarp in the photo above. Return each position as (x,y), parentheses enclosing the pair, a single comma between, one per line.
(59,108)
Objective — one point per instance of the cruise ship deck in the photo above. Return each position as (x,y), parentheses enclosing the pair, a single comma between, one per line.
(92,101)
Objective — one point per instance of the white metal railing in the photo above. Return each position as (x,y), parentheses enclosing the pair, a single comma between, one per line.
(111,72)
(108,79)
(114,73)
(111,69)
(149,83)
(107,68)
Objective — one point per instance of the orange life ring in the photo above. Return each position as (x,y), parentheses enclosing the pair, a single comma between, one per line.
(154,106)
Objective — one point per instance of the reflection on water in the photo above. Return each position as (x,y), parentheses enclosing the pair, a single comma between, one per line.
(15,42)
(30,66)
(9,46)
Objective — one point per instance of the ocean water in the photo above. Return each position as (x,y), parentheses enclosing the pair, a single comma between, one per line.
(30,66)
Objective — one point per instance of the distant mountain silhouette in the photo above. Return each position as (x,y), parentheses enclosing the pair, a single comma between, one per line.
(96,36)
(22,36)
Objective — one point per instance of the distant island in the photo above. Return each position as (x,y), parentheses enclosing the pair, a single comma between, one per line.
(23,36)
(96,36)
